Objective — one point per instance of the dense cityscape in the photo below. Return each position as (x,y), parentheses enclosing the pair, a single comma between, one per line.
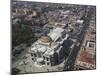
(51,37)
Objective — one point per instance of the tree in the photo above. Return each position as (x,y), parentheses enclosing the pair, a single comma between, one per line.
(15,71)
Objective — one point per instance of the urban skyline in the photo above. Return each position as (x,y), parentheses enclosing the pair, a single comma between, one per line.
(52,37)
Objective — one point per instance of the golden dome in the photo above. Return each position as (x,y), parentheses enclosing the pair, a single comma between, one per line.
(45,39)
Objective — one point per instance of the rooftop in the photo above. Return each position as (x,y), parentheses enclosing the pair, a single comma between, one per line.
(45,39)
(87,58)
(56,33)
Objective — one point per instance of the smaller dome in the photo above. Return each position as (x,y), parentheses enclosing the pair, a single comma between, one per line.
(45,39)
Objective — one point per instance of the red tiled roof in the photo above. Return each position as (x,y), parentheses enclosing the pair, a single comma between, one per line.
(87,57)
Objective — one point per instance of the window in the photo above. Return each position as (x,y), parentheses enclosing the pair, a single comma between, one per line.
(47,63)
(43,57)
(35,55)
(31,54)
(32,58)
(47,59)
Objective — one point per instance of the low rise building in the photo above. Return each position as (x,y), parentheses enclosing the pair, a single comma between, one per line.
(85,60)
